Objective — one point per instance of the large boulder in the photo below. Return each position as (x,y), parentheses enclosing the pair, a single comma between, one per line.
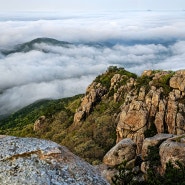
(172,150)
(153,141)
(29,161)
(125,150)
(178,80)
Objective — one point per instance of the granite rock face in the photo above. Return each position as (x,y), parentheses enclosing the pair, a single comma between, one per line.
(155,99)
(178,80)
(172,150)
(159,103)
(153,141)
(125,150)
(29,161)
(152,111)
(93,95)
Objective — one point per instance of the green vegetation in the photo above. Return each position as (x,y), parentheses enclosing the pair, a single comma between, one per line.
(151,131)
(29,114)
(94,136)
(105,78)
(173,175)
(143,81)
(163,82)
(90,140)
(125,175)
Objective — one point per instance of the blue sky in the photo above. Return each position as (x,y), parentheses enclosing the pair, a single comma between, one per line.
(57,5)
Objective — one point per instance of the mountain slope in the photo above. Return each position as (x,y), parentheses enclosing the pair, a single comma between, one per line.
(117,105)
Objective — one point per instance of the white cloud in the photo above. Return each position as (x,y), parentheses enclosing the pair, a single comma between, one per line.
(140,41)
(93,27)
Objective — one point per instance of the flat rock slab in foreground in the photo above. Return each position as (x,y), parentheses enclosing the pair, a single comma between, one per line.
(29,161)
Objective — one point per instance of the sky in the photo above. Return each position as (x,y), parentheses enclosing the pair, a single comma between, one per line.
(78,5)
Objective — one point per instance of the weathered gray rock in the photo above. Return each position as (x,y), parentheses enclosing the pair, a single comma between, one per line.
(172,150)
(153,141)
(125,150)
(28,161)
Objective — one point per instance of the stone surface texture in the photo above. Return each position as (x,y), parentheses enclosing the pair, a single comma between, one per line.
(172,150)
(159,103)
(29,161)
(125,150)
(153,141)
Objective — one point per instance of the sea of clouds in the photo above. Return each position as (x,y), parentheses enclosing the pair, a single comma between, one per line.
(133,40)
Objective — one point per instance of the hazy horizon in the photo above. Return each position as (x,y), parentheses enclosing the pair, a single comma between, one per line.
(63,5)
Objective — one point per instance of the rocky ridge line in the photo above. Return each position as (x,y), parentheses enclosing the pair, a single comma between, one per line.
(155,99)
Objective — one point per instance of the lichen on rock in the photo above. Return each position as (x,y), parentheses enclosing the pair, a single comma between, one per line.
(29,161)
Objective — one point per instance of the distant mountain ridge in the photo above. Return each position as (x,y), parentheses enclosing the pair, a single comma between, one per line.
(28,46)
(31,45)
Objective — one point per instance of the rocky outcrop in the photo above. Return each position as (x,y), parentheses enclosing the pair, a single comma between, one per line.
(122,152)
(93,95)
(125,150)
(121,91)
(39,123)
(153,141)
(153,103)
(178,81)
(156,99)
(172,150)
(159,102)
(31,161)
(132,122)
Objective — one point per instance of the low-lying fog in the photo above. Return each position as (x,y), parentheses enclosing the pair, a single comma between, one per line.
(133,40)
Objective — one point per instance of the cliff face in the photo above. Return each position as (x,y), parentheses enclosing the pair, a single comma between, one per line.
(151,105)
(160,106)
(33,161)
(153,102)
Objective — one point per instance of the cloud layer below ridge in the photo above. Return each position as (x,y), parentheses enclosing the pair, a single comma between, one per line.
(133,40)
